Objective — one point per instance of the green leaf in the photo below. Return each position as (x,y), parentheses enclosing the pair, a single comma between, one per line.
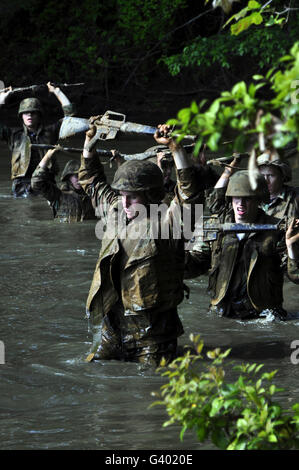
(253,5)
(194,107)
(245,23)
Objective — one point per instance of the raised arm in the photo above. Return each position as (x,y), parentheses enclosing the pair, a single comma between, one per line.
(224,178)
(188,187)
(92,176)
(5,132)
(216,202)
(180,157)
(42,179)
(4,94)
(62,98)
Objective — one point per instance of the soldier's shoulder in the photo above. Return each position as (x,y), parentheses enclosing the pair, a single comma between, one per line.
(292,190)
(16,130)
(265,218)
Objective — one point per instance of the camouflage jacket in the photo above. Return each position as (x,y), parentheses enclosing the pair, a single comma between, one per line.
(285,206)
(19,140)
(68,205)
(144,272)
(263,273)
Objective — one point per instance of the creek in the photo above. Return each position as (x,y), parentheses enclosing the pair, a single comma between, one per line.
(50,397)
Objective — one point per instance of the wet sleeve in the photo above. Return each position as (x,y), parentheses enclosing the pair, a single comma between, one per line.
(188,188)
(215,200)
(69,110)
(187,205)
(93,180)
(42,181)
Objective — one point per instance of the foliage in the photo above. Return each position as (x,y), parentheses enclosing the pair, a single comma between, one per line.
(254,14)
(141,21)
(264,47)
(242,415)
(245,115)
(121,41)
(66,39)
(258,36)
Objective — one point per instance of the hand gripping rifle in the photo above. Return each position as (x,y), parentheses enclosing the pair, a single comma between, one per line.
(107,127)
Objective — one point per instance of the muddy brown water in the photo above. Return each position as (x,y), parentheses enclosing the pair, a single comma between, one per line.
(50,398)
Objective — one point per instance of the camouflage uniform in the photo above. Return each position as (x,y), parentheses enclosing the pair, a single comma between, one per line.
(138,281)
(283,206)
(24,160)
(206,178)
(286,204)
(245,277)
(68,203)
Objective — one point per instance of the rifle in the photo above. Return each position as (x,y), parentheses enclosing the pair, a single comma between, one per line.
(108,125)
(150,153)
(211,228)
(35,88)
(225,161)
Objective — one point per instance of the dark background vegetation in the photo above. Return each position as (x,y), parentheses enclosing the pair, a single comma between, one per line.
(139,57)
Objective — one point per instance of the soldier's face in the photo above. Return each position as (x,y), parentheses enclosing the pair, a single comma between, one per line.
(273,177)
(31,119)
(75,182)
(131,202)
(245,209)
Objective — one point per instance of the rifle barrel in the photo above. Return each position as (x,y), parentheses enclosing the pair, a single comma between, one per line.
(103,152)
(239,228)
(108,153)
(132,127)
(42,85)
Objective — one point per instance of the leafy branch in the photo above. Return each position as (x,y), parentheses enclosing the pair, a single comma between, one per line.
(234,416)
(253,14)
(244,116)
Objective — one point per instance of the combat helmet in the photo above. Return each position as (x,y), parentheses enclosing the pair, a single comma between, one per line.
(239,186)
(140,176)
(30,105)
(71,168)
(268,160)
